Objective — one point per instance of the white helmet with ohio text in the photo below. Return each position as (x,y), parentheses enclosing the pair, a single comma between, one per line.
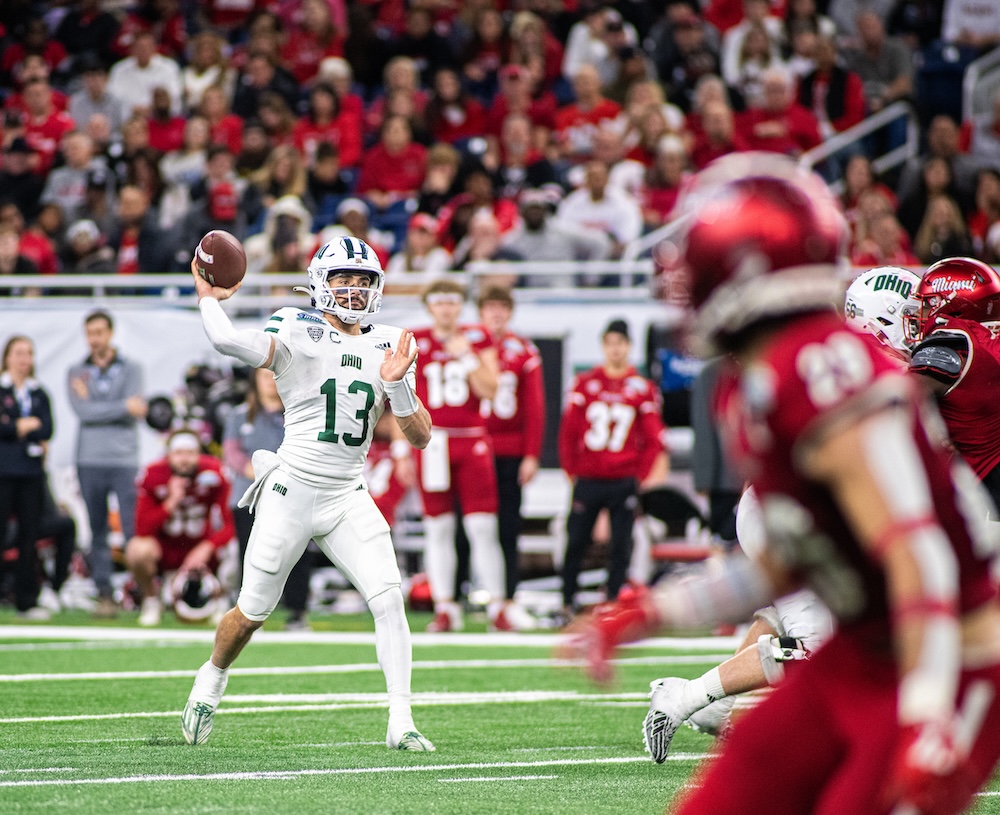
(351,256)
(879,302)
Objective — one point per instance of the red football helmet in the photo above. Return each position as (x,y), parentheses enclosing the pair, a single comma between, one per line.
(955,287)
(764,240)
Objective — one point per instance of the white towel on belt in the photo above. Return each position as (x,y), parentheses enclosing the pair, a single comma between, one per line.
(435,469)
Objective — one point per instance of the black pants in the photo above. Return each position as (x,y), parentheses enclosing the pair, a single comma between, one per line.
(296,595)
(62,529)
(590,496)
(509,517)
(22,497)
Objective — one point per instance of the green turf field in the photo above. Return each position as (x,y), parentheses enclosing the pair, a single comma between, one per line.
(89,723)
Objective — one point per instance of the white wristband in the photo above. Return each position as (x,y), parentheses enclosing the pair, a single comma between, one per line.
(402,399)
(399,449)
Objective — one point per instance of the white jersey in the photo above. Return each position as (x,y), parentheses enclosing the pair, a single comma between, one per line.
(333,395)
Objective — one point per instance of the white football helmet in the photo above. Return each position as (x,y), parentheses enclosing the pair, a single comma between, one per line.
(346,254)
(880,300)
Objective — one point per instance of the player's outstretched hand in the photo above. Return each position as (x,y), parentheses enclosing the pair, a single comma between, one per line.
(206,289)
(595,638)
(398,362)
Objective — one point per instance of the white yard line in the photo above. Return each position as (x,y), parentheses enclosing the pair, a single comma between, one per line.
(201,635)
(350,702)
(362,667)
(496,778)
(288,774)
(98,645)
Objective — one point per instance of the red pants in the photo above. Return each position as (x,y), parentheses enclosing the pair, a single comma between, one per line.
(470,475)
(823,742)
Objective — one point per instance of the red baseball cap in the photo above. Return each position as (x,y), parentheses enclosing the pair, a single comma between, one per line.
(424,221)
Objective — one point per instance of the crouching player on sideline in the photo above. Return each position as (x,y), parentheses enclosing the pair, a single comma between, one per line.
(334,376)
(878,302)
(898,711)
(182,520)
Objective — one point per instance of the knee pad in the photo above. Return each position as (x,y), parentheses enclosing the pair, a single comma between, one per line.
(773,651)
(387,603)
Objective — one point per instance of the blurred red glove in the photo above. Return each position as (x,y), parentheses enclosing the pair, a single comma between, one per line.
(631,617)
(929,773)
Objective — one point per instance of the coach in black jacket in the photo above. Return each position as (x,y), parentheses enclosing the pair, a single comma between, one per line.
(25,424)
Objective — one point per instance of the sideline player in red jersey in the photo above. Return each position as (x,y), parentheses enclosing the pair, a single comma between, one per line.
(182,518)
(456,370)
(898,711)
(610,437)
(959,357)
(515,419)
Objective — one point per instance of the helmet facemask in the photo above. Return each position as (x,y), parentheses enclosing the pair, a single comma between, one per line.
(349,257)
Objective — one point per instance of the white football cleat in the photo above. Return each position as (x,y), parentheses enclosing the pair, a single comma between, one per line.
(196,722)
(150,611)
(664,716)
(412,741)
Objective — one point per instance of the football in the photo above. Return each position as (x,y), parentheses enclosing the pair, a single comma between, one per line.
(221,259)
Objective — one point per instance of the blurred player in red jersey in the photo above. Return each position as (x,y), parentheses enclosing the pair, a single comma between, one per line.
(877,302)
(182,518)
(610,437)
(898,711)
(515,420)
(456,370)
(958,356)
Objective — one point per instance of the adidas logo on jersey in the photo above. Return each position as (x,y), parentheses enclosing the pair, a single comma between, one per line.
(384,346)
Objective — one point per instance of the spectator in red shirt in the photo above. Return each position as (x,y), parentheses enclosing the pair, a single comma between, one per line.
(225,127)
(36,40)
(452,115)
(316,37)
(228,15)
(610,438)
(575,123)
(394,168)
(834,95)
(182,518)
(337,72)
(162,18)
(859,178)
(166,131)
(718,136)
(325,121)
(885,245)
(33,67)
(662,183)
(517,96)
(779,125)
(44,126)
(479,193)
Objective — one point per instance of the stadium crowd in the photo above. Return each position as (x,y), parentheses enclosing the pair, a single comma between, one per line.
(429,128)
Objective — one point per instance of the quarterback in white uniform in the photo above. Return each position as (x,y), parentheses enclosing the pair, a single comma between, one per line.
(334,377)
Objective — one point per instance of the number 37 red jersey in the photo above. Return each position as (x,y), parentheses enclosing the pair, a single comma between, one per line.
(611,427)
